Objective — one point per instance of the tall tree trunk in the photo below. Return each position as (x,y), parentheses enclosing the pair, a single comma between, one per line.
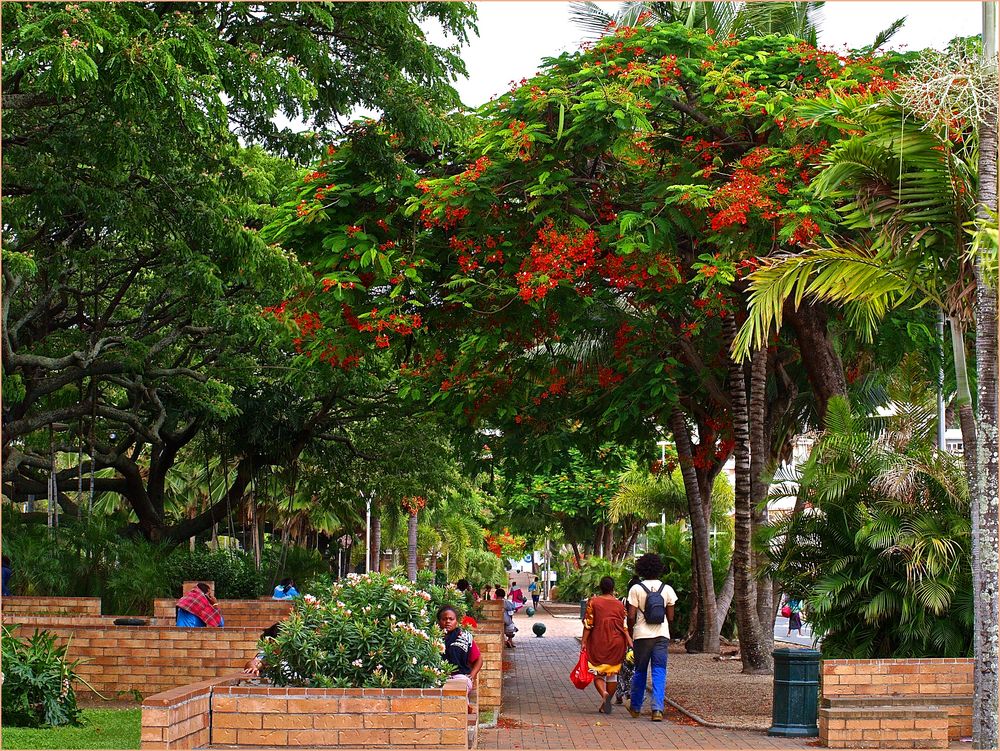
(754,654)
(822,363)
(759,452)
(725,599)
(411,547)
(700,545)
(985,560)
(576,553)
(609,540)
(376,552)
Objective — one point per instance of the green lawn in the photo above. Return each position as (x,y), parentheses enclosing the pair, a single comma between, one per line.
(102,728)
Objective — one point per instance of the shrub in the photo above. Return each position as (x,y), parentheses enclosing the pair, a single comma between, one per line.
(482,567)
(37,685)
(580,584)
(370,631)
(883,559)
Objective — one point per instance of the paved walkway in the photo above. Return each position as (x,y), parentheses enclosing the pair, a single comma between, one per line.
(543,710)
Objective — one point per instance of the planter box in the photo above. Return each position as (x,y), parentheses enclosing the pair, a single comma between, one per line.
(224,713)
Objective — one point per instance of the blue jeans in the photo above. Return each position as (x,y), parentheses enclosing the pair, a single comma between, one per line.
(649,651)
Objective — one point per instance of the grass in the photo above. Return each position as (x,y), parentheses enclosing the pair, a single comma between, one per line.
(102,728)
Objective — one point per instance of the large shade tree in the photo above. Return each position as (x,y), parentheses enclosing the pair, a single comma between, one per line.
(581,255)
(133,271)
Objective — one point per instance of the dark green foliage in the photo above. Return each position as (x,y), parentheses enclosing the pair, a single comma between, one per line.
(581,583)
(91,559)
(37,685)
(883,559)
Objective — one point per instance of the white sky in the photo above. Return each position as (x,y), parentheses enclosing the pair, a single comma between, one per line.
(515,35)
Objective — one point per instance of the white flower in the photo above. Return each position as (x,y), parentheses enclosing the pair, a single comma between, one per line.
(413,660)
(309,599)
(357,663)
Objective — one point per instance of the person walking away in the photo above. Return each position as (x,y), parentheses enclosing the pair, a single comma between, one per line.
(285,591)
(650,610)
(795,617)
(198,609)
(606,640)
(509,608)
(8,571)
(628,666)
(534,591)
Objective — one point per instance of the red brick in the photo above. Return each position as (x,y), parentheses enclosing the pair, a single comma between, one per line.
(424,737)
(397,720)
(262,737)
(365,705)
(416,705)
(314,706)
(234,720)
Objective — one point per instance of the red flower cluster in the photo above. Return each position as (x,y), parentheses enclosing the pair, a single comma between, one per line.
(412,504)
(557,256)
(805,232)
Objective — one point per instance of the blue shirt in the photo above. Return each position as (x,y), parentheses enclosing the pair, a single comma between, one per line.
(190,620)
(6,582)
(280,593)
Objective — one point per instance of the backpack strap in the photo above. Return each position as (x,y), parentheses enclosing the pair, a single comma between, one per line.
(646,589)
(660,590)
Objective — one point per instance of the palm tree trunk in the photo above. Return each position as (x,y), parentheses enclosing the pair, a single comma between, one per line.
(985,560)
(754,654)
(759,452)
(700,545)
(411,547)
(725,599)
(609,540)
(376,554)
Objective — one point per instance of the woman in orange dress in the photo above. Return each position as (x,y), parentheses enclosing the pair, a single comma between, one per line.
(606,640)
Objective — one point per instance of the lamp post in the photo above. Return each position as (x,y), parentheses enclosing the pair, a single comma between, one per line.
(368,531)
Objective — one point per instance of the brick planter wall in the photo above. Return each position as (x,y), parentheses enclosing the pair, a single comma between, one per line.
(918,703)
(360,717)
(51,606)
(147,659)
(179,718)
(258,614)
(222,713)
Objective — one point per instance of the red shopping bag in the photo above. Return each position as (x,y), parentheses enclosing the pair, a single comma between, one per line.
(786,611)
(581,677)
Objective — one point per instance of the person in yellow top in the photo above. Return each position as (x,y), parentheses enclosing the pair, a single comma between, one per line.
(650,611)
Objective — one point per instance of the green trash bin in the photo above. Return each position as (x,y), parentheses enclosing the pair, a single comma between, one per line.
(796,693)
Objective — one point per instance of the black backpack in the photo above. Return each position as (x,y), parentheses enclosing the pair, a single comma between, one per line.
(655,610)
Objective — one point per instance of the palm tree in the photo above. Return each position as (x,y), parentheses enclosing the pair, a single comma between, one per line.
(800,19)
(883,557)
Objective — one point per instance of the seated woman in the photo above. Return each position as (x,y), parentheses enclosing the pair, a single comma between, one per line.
(198,609)
(254,664)
(285,591)
(460,648)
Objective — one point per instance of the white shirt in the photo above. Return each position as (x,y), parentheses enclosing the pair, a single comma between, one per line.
(637,597)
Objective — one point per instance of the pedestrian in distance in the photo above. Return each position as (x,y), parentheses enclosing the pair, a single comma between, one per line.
(606,641)
(535,591)
(795,616)
(650,611)
(509,608)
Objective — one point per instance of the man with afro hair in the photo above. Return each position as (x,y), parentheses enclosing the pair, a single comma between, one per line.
(650,610)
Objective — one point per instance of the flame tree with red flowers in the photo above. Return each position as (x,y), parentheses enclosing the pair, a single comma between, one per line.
(571,271)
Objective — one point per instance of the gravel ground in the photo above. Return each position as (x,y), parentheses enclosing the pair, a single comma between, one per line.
(714,690)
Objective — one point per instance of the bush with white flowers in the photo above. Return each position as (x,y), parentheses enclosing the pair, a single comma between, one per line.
(370,631)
